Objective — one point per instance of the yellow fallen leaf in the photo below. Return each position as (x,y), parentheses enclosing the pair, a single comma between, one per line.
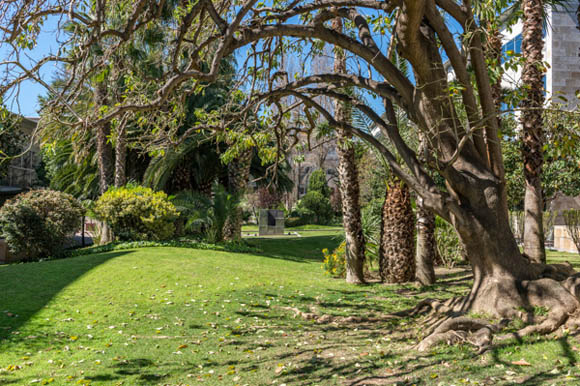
(182,346)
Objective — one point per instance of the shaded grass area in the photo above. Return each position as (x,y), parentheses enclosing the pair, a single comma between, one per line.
(182,316)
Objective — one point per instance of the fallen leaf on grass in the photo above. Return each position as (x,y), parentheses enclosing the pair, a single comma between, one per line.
(521,362)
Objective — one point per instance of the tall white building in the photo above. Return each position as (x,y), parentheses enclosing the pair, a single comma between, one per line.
(561,52)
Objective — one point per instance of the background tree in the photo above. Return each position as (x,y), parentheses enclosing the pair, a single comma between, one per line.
(348,177)
(397,251)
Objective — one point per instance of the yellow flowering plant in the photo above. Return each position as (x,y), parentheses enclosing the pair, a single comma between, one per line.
(334,263)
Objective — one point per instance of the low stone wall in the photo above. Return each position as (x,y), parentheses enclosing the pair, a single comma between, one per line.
(562,240)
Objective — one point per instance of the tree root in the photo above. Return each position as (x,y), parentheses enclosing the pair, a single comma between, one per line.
(476,332)
(504,299)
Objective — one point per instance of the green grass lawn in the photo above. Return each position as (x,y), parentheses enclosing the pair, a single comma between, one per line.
(304,230)
(173,316)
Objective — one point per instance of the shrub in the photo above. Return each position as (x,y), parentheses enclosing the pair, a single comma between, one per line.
(334,263)
(38,223)
(205,215)
(371,216)
(315,207)
(137,213)
(294,221)
(317,183)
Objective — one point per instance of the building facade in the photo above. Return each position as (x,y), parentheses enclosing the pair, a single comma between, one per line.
(561,53)
(22,171)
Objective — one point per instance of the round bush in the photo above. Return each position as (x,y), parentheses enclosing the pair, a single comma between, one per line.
(38,223)
(137,213)
(315,207)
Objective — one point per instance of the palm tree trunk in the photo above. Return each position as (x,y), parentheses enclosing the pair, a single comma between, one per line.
(426,248)
(533,135)
(493,54)
(349,185)
(238,174)
(397,249)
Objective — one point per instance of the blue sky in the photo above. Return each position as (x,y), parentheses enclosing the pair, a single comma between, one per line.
(26,102)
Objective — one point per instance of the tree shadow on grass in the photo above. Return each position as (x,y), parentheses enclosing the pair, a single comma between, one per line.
(27,288)
(299,249)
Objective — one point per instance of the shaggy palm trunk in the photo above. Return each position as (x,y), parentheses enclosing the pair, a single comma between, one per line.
(349,186)
(121,158)
(397,249)
(493,53)
(426,247)
(238,174)
(533,136)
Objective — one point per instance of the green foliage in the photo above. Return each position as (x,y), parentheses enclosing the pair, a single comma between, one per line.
(334,263)
(12,141)
(561,158)
(206,216)
(449,247)
(371,216)
(137,213)
(294,221)
(71,171)
(315,208)
(317,183)
(37,223)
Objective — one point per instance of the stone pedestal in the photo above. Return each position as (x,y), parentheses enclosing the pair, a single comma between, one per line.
(271,222)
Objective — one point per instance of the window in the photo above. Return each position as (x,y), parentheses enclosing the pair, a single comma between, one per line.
(512,47)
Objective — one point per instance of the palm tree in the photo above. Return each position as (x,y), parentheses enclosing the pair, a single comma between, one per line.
(238,175)
(349,186)
(532,127)
(208,215)
(397,249)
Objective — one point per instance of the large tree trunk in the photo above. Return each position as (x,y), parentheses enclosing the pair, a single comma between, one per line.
(349,186)
(426,247)
(104,148)
(121,158)
(238,174)
(533,136)
(104,157)
(397,249)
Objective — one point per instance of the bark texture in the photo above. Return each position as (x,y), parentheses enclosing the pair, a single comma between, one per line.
(426,245)
(104,156)
(532,129)
(397,249)
(493,54)
(104,148)
(121,158)
(238,174)
(349,185)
